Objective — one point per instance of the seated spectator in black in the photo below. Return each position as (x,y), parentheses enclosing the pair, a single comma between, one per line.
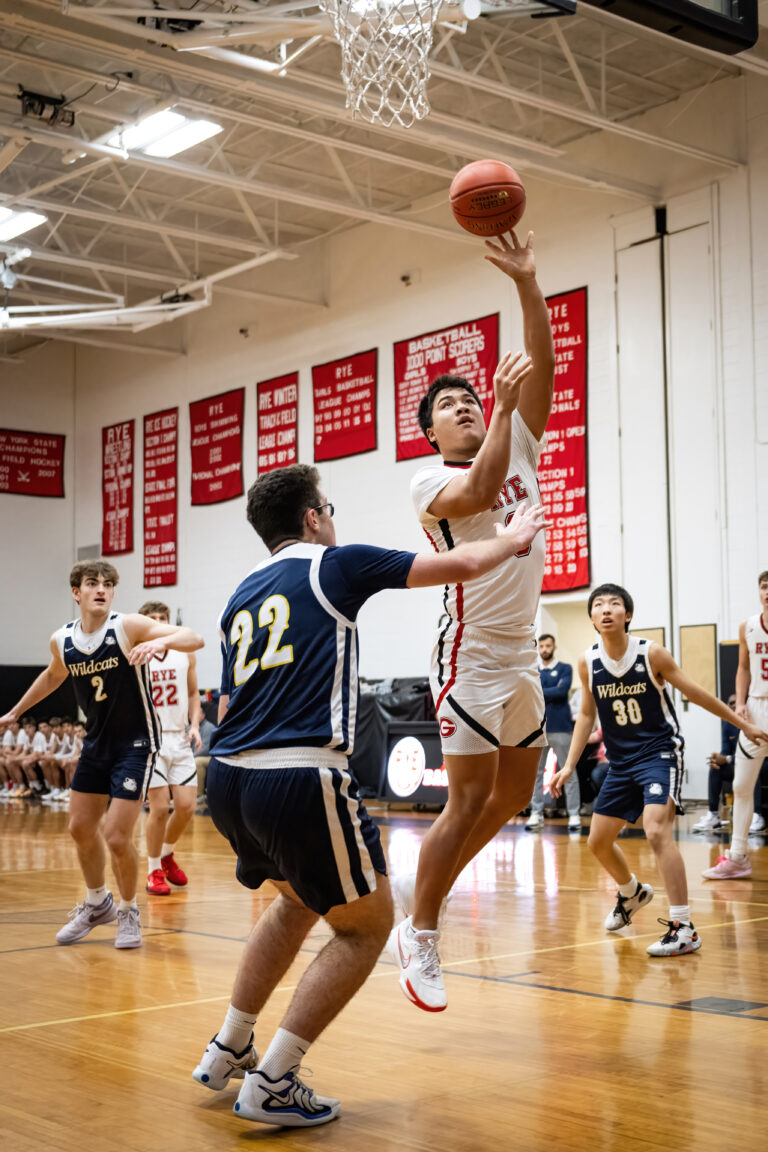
(592,768)
(721,775)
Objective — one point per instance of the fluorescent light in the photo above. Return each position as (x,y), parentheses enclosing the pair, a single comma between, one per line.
(163,133)
(13,223)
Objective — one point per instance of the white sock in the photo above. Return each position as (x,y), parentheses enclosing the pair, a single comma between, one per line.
(167,849)
(680,912)
(285,1054)
(125,904)
(153,864)
(96,896)
(733,854)
(237,1029)
(628,889)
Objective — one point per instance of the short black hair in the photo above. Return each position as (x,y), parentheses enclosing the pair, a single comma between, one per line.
(612,590)
(441,384)
(547,636)
(278,500)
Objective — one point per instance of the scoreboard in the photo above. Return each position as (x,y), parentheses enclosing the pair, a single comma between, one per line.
(727,26)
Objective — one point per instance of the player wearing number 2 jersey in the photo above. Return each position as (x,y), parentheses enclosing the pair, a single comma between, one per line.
(177,700)
(106,654)
(626,680)
(752,705)
(279,786)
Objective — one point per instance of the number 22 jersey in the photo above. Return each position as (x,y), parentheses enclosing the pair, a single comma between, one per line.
(636,712)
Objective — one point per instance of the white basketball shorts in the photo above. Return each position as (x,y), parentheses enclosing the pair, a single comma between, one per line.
(487,690)
(757,707)
(175,764)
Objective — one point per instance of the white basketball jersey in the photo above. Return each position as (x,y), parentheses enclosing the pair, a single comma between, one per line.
(508,596)
(169,689)
(756,635)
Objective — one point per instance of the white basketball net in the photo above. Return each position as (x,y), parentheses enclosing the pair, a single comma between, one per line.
(385,48)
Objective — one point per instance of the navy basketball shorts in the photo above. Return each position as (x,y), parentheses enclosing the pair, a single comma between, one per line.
(122,773)
(487,690)
(299,822)
(626,791)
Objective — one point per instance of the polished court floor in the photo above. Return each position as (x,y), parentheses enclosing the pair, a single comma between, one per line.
(557,1035)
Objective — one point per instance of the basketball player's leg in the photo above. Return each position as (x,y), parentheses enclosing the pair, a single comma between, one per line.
(159,799)
(119,826)
(747,762)
(603,832)
(184,806)
(511,792)
(86,810)
(680,937)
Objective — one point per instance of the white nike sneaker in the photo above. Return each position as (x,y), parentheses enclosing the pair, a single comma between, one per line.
(709,822)
(757,824)
(219,1064)
(415,953)
(84,917)
(287,1102)
(128,928)
(626,906)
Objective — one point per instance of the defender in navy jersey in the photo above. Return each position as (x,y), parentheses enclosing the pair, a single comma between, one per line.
(106,654)
(625,681)
(279,786)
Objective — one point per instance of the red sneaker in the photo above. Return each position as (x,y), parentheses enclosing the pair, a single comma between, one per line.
(156,883)
(173,872)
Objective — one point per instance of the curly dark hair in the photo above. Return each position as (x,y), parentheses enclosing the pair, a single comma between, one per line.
(278,500)
(441,384)
(85,569)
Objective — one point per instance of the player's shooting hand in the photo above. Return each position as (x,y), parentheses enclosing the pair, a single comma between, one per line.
(525,523)
(516,259)
(557,782)
(511,370)
(143,653)
(195,738)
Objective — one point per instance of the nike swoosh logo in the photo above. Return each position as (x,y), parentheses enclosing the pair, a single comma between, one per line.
(405,958)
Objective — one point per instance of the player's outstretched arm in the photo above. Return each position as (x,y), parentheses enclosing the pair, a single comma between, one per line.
(664,666)
(477,489)
(519,262)
(471,560)
(149,638)
(195,707)
(47,682)
(582,730)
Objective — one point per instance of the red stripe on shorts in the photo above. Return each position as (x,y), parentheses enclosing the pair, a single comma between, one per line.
(456,645)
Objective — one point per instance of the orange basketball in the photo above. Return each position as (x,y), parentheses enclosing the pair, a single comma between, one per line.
(487,197)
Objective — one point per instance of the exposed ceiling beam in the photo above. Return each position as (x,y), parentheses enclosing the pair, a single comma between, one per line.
(11,150)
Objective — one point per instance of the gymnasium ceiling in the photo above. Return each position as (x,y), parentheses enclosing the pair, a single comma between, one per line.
(578,102)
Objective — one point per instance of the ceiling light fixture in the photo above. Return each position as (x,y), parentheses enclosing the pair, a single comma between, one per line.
(164,133)
(14,223)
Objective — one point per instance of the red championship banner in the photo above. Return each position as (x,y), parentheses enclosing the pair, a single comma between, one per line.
(277,402)
(161,454)
(563,466)
(345,406)
(31,463)
(216,427)
(117,488)
(470,349)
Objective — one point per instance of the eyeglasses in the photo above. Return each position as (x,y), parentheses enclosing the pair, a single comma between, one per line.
(329,506)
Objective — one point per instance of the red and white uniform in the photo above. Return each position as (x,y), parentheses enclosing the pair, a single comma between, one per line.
(756,636)
(175,763)
(484,673)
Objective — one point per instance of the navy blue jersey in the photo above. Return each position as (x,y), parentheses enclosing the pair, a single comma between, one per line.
(115,696)
(289,646)
(635,710)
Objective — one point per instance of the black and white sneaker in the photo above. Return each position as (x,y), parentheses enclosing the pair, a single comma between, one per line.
(219,1064)
(626,906)
(678,939)
(288,1102)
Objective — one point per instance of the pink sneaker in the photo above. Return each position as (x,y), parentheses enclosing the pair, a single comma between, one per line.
(727,869)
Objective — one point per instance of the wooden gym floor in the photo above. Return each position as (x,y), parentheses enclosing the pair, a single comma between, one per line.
(557,1035)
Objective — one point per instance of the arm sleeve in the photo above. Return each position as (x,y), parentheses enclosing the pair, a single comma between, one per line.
(425,485)
(351,575)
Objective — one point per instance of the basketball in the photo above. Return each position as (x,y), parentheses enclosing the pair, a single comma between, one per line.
(487,197)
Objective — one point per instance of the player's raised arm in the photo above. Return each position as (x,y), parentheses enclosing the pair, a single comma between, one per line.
(663,665)
(149,638)
(468,561)
(519,262)
(582,730)
(477,489)
(48,681)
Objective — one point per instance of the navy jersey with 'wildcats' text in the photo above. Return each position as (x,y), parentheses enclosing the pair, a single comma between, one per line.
(635,710)
(115,696)
(289,646)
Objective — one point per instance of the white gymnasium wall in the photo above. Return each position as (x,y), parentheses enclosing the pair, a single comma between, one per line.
(37,534)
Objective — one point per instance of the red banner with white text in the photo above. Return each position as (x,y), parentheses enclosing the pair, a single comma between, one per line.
(161,454)
(216,431)
(563,465)
(117,488)
(345,406)
(277,404)
(31,463)
(469,349)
